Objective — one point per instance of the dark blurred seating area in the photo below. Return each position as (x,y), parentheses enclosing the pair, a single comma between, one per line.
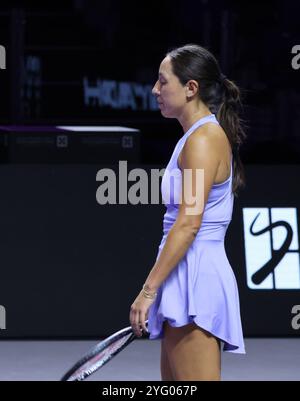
(55,52)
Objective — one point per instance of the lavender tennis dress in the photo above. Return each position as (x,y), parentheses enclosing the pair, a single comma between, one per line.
(202,287)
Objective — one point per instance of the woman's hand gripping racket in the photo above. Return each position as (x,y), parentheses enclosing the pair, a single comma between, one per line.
(102,353)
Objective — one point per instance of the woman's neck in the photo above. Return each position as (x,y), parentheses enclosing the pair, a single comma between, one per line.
(189,117)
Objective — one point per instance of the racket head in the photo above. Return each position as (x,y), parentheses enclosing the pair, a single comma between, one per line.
(99,355)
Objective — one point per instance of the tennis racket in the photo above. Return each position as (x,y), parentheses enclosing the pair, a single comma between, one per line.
(99,355)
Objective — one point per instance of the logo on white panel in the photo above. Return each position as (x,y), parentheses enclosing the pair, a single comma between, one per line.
(272,248)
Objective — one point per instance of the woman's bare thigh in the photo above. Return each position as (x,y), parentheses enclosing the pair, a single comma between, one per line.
(193,353)
(165,367)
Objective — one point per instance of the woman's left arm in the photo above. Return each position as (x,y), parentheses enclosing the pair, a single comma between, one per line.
(199,165)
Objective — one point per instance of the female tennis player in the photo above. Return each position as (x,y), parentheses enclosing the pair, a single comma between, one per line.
(190,296)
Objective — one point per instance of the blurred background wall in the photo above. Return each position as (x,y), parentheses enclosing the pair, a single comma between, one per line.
(71,267)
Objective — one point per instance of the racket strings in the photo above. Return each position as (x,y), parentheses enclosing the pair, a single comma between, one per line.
(99,359)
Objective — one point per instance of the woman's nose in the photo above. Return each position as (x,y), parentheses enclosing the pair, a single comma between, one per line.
(155,90)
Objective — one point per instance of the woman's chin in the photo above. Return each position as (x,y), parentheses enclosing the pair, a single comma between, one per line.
(164,113)
(167,115)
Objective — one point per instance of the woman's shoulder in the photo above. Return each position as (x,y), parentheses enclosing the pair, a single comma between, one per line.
(207,144)
(208,135)
(210,129)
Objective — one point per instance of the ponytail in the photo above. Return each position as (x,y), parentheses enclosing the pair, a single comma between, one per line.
(228,117)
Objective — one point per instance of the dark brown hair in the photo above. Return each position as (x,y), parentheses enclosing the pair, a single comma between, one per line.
(221,95)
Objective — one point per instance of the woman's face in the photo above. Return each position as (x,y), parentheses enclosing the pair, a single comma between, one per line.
(169,92)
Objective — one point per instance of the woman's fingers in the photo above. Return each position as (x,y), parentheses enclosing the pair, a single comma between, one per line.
(142,321)
(134,320)
(138,314)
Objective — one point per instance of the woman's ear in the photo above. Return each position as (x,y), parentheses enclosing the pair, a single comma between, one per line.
(192,88)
